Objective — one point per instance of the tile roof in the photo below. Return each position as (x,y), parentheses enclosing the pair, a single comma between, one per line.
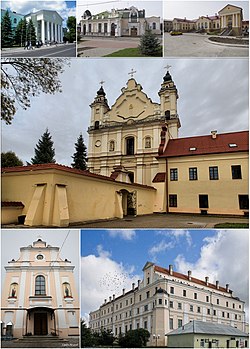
(202,327)
(201,145)
(52,166)
(159,177)
(185,277)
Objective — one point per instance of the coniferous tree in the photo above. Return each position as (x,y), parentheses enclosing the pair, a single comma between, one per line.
(150,45)
(6,31)
(44,151)
(21,33)
(80,155)
(31,32)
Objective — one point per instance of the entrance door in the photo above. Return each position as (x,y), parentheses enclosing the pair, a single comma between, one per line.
(203,201)
(112,29)
(133,32)
(40,324)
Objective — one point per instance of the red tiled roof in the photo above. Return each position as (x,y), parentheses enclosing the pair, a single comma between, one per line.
(159,177)
(207,145)
(52,166)
(12,204)
(185,277)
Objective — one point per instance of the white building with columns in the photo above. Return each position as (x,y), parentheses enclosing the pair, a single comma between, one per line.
(48,25)
(166,300)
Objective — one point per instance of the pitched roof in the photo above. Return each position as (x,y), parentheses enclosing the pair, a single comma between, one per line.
(229,5)
(200,145)
(202,327)
(52,166)
(194,280)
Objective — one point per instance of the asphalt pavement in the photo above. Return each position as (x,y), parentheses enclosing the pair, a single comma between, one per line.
(60,50)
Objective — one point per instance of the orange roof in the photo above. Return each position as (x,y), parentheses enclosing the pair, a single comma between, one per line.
(185,277)
(200,145)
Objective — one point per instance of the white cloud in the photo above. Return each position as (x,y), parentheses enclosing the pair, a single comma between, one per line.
(161,247)
(102,253)
(123,234)
(177,234)
(101,278)
(223,257)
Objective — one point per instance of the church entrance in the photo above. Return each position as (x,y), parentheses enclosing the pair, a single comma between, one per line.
(40,324)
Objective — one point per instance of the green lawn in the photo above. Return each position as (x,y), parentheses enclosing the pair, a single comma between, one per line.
(127,52)
(232,225)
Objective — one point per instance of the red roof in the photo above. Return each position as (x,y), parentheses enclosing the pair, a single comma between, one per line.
(52,166)
(185,277)
(199,145)
(159,177)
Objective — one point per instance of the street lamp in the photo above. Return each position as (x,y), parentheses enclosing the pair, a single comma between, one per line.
(156,337)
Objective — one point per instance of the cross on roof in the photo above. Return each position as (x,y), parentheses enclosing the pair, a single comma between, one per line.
(101,82)
(167,67)
(132,73)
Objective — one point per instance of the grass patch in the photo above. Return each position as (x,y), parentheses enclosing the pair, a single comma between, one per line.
(128,52)
(232,225)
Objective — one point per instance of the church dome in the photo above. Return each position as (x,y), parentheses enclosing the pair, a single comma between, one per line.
(167,77)
(101,92)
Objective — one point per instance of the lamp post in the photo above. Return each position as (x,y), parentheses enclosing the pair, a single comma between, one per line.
(156,337)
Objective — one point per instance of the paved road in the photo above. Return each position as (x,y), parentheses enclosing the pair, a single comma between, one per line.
(198,45)
(99,47)
(61,50)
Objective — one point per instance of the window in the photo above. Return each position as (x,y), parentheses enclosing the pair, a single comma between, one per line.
(148,294)
(244,202)
(198,309)
(172,200)
(40,285)
(226,304)
(105,27)
(173,174)
(130,144)
(140,297)
(111,146)
(148,280)
(239,306)
(99,27)
(171,324)
(145,325)
(39,257)
(138,310)
(233,305)
(213,173)
(171,304)
(146,307)
(203,201)
(172,289)
(153,25)
(195,295)
(236,172)
(160,301)
(15,21)
(218,301)
(179,306)
(184,293)
(120,305)
(191,308)
(126,301)
(223,314)
(90,27)
(228,316)
(235,316)
(97,124)
(207,298)
(193,176)
(148,142)
(179,322)
(214,312)
(208,311)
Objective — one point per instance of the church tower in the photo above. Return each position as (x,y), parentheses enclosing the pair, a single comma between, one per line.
(124,139)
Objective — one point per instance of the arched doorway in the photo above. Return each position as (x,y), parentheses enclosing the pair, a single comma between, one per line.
(113,26)
(84,29)
(128,202)
(41,321)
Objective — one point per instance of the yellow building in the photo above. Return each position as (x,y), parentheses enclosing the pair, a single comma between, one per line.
(39,294)
(231,17)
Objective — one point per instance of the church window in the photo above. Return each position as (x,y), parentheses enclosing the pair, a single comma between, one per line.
(172,200)
(193,175)
(111,146)
(213,173)
(39,257)
(236,172)
(154,25)
(97,124)
(133,16)
(13,290)
(40,285)
(173,174)
(148,142)
(66,290)
(130,146)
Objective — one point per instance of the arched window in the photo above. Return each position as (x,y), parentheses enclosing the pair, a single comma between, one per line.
(15,21)
(97,124)
(148,142)
(111,145)
(13,290)
(40,288)
(66,290)
(153,25)
(130,146)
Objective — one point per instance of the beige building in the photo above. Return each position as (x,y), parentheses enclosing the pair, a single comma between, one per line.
(183,25)
(198,334)
(119,22)
(39,295)
(231,17)
(166,300)
(208,23)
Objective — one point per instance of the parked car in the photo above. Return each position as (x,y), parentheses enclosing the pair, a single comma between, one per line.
(175,33)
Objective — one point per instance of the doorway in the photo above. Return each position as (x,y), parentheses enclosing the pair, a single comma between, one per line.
(133,31)
(40,324)
(113,29)
(203,201)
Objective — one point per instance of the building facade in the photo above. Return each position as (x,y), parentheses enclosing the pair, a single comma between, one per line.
(39,295)
(48,25)
(166,300)
(15,18)
(119,22)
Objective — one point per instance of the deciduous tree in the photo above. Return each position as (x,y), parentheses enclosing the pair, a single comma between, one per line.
(10,159)
(71,25)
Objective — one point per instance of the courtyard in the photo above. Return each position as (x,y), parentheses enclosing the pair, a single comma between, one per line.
(198,45)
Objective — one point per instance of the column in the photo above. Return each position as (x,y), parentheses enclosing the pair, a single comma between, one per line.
(56,37)
(61,30)
(42,31)
(52,32)
(109,27)
(48,32)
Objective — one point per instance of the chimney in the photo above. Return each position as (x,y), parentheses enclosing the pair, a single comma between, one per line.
(189,275)
(133,286)
(110,298)
(217,284)
(113,297)
(170,269)
(123,291)
(105,301)
(214,134)
(207,280)
(227,287)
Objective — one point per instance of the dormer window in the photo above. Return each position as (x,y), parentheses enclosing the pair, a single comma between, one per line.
(192,148)
(232,145)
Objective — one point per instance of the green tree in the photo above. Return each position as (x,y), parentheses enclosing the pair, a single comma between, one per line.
(6,31)
(21,33)
(31,33)
(80,155)
(44,151)
(150,45)
(87,338)
(71,25)
(23,78)
(10,159)
(134,338)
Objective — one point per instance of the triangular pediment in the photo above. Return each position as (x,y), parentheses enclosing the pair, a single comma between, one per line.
(148,265)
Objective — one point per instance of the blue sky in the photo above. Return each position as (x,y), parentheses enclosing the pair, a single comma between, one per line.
(113,259)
